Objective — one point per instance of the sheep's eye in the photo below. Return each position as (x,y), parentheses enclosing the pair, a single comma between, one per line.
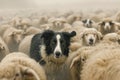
(17,74)
(83,59)
(84,21)
(90,22)
(103,23)
(111,23)
(86,34)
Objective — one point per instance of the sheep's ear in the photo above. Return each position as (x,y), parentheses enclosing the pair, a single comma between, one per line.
(92,21)
(100,23)
(81,35)
(84,21)
(75,61)
(28,72)
(64,21)
(99,35)
(11,34)
(47,34)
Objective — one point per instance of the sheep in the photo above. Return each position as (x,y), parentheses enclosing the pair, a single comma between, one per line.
(117,17)
(24,46)
(3,28)
(25,23)
(107,26)
(58,23)
(18,66)
(109,42)
(40,21)
(3,49)
(16,21)
(45,27)
(12,38)
(102,66)
(89,23)
(74,17)
(43,20)
(32,30)
(90,36)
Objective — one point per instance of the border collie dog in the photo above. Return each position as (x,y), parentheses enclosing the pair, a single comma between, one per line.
(51,49)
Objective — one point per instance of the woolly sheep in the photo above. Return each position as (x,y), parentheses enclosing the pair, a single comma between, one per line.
(110,41)
(16,21)
(117,17)
(90,36)
(74,17)
(107,26)
(12,38)
(18,66)
(32,30)
(103,66)
(58,23)
(24,46)
(25,23)
(89,23)
(3,28)
(3,49)
(40,21)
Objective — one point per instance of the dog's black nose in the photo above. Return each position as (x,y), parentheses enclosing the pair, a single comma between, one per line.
(57,54)
(91,40)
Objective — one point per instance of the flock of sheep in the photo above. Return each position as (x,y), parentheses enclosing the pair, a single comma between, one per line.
(94,51)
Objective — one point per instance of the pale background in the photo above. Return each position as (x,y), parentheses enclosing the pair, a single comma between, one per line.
(60,4)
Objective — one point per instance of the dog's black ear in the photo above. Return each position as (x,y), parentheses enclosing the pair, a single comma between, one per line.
(72,34)
(47,34)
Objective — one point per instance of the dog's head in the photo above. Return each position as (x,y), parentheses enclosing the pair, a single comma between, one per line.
(57,44)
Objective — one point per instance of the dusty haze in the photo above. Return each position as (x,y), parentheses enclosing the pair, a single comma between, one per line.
(60,4)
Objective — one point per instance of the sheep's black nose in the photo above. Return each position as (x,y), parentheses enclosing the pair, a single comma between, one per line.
(57,54)
(91,40)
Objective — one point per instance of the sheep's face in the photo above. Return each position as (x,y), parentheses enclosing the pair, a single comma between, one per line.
(90,39)
(77,18)
(58,23)
(17,36)
(87,23)
(16,21)
(107,25)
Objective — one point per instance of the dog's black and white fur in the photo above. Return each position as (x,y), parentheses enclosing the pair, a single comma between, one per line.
(52,49)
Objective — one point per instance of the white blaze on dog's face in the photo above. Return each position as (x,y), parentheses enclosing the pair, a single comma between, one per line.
(58,51)
(90,39)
